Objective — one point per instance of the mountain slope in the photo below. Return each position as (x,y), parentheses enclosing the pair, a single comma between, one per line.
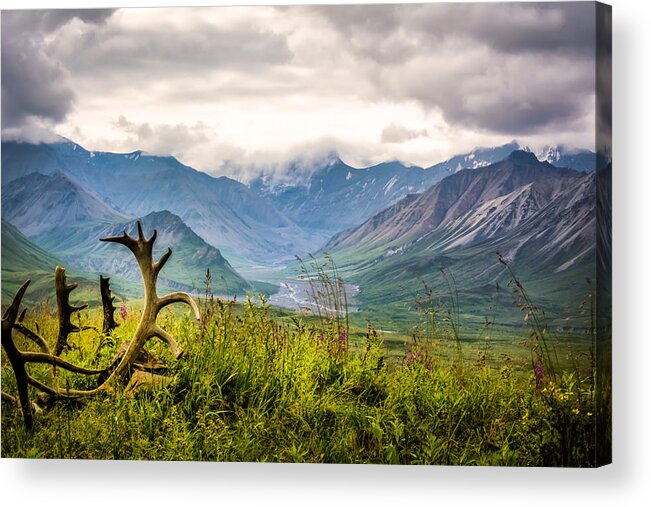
(479,157)
(37,203)
(337,196)
(79,246)
(461,199)
(573,158)
(224,212)
(540,218)
(23,260)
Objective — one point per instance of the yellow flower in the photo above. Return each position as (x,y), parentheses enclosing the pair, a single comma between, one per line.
(575,411)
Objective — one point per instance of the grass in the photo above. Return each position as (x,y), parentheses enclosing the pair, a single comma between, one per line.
(258,384)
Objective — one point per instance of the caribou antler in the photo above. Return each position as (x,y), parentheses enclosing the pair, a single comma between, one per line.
(18,359)
(109,323)
(65,309)
(13,354)
(142,250)
(132,354)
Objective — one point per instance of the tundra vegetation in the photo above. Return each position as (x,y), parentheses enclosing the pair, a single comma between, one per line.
(233,381)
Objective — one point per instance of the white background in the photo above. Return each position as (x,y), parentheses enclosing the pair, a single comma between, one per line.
(626,482)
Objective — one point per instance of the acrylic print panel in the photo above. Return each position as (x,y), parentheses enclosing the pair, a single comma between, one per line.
(334,234)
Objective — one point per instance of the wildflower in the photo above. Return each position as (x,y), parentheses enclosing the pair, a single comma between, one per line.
(123,312)
(203,325)
(410,357)
(342,337)
(320,337)
(539,373)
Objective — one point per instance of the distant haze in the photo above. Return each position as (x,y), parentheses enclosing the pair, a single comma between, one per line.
(229,88)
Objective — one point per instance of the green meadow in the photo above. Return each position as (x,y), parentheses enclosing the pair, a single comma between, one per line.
(256,383)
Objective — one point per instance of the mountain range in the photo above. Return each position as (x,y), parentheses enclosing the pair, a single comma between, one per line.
(224,212)
(539,217)
(78,246)
(335,196)
(386,226)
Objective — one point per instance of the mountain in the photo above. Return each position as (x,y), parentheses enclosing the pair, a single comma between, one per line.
(465,199)
(560,155)
(337,196)
(479,157)
(334,197)
(37,203)
(23,260)
(541,218)
(224,212)
(79,246)
(574,158)
(20,255)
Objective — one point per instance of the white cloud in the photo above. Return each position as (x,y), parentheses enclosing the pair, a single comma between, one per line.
(394,133)
(225,87)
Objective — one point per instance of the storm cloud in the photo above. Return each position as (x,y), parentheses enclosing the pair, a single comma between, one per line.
(510,68)
(417,82)
(35,86)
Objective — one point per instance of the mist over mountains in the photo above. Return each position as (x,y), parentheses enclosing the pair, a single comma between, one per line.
(384,224)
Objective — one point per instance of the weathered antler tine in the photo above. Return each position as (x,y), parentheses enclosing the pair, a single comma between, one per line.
(38,357)
(141,235)
(125,240)
(167,338)
(11,313)
(109,323)
(21,317)
(162,261)
(13,354)
(153,237)
(36,338)
(68,394)
(65,310)
(179,297)
(8,398)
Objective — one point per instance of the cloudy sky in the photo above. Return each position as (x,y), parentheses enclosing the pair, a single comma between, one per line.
(226,86)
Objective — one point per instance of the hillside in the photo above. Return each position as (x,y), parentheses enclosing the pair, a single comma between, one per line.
(337,196)
(224,212)
(23,260)
(37,203)
(539,217)
(79,246)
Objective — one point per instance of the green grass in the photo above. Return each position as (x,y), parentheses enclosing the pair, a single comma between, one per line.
(257,384)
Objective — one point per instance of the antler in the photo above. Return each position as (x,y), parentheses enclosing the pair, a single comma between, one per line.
(14,356)
(142,249)
(107,303)
(18,359)
(65,309)
(131,351)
